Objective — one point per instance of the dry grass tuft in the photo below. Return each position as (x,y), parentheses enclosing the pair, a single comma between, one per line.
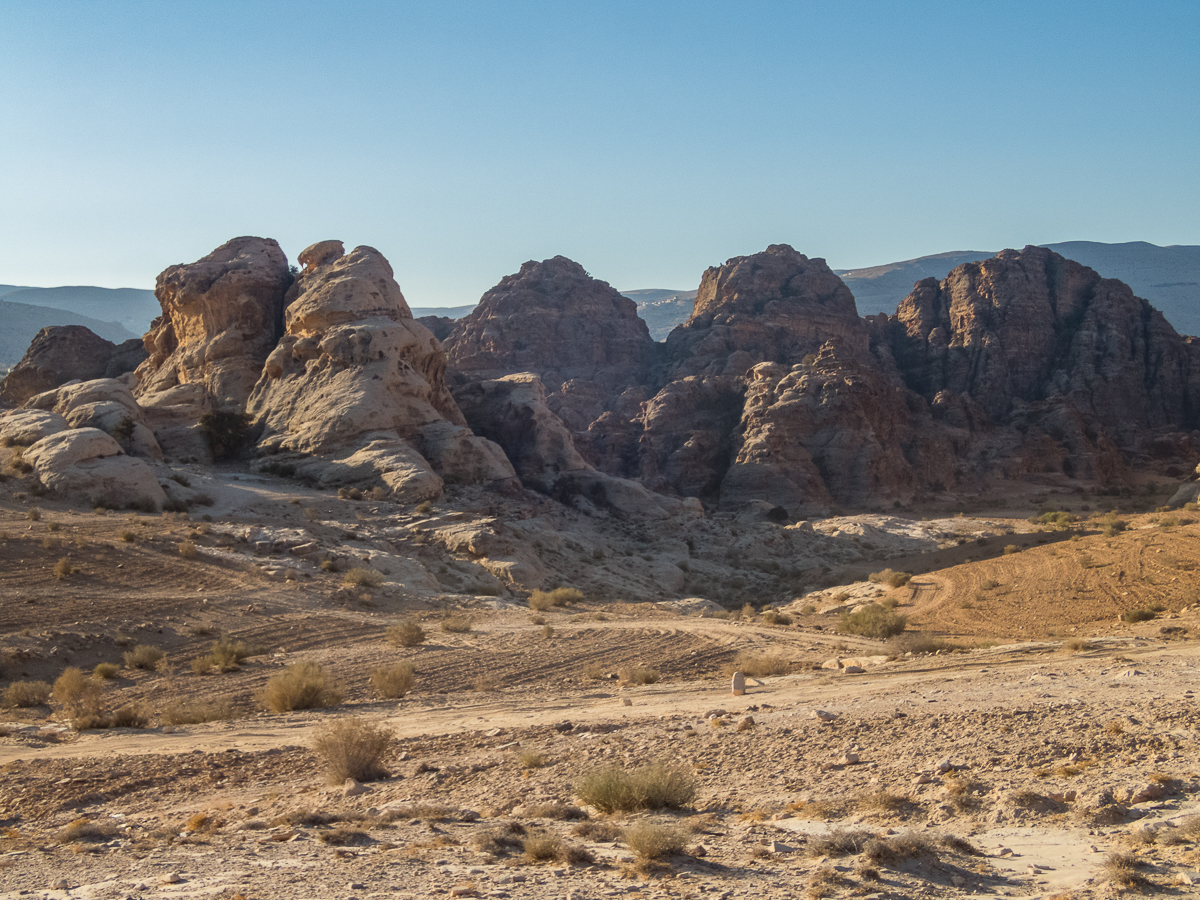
(394,681)
(225,655)
(890,851)
(543,846)
(303,685)
(405,634)
(638,675)
(352,748)
(457,624)
(531,759)
(838,843)
(652,841)
(106,671)
(1122,870)
(890,578)
(196,712)
(826,882)
(595,830)
(1078,645)
(64,568)
(187,549)
(361,576)
(24,694)
(872,621)
(760,665)
(85,830)
(144,656)
(659,785)
(544,600)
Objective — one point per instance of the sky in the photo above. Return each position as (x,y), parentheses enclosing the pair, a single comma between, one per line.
(646,140)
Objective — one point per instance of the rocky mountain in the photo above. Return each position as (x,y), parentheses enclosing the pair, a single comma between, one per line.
(1168,277)
(775,394)
(61,353)
(662,310)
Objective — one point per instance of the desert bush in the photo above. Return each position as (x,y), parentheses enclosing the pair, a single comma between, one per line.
(23,694)
(361,576)
(79,697)
(1078,645)
(394,681)
(64,568)
(227,433)
(499,840)
(225,655)
(638,675)
(921,643)
(838,843)
(562,812)
(352,748)
(85,830)
(654,840)
(128,535)
(302,685)
(106,671)
(1056,519)
(457,624)
(187,549)
(775,617)
(659,785)
(34,514)
(872,621)
(563,596)
(758,665)
(405,634)
(895,849)
(131,715)
(531,759)
(1144,614)
(890,578)
(1122,870)
(143,656)
(196,712)
(542,846)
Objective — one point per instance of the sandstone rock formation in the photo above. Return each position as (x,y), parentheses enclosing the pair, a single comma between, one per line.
(23,427)
(106,404)
(62,353)
(87,463)
(221,316)
(354,392)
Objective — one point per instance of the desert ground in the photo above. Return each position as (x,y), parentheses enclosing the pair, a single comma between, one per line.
(1019,738)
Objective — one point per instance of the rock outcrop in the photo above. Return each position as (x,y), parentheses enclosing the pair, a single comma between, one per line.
(89,464)
(62,353)
(106,404)
(354,392)
(1036,339)
(221,316)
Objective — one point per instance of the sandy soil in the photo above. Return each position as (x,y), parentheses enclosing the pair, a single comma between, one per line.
(1014,766)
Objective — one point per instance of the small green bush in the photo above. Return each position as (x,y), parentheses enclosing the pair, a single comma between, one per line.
(1056,519)
(302,685)
(872,621)
(405,634)
(227,433)
(659,785)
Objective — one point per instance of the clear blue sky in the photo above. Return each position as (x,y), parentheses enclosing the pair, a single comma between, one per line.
(645,140)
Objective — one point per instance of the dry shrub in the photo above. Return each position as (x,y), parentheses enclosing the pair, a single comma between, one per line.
(342,837)
(872,621)
(1010,549)
(86,830)
(652,841)
(24,694)
(76,693)
(921,643)
(638,675)
(457,624)
(839,843)
(352,748)
(131,715)
(542,846)
(1185,831)
(826,882)
(500,840)
(225,655)
(660,785)
(563,596)
(405,634)
(890,851)
(187,549)
(531,759)
(759,665)
(195,712)
(64,569)
(106,671)
(1144,614)
(302,685)
(890,578)
(361,576)
(1122,870)
(394,681)
(882,802)
(143,656)
(775,617)
(1078,645)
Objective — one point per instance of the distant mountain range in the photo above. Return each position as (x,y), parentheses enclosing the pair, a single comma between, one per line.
(21,319)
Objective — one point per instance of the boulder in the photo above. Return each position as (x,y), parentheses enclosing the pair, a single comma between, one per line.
(23,427)
(86,462)
(106,404)
(62,353)
(221,316)
(355,389)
